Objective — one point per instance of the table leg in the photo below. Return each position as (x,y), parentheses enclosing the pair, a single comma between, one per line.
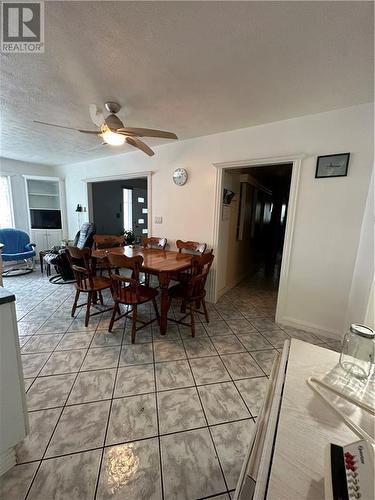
(41,256)
(164,280)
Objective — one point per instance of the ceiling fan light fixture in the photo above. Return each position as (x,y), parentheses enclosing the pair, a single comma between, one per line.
(112,138)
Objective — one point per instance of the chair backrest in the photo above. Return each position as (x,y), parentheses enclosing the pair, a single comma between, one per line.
(120,281)
(84,237)
(154,242)
(102,241)
(14,240)
(201,265)
(80,262)
(193,247)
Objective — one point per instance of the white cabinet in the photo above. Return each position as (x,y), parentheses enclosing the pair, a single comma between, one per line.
(14,424)
(45,239)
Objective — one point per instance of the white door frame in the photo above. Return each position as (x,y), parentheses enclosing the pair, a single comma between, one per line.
(296,161)
(122,177)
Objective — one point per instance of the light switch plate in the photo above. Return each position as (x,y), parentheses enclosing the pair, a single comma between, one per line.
(158,220)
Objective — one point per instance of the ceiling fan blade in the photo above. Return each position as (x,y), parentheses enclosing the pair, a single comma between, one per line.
(54,125)
(88,131)
(147,132)
(96,115)
(137,143)
(68,128)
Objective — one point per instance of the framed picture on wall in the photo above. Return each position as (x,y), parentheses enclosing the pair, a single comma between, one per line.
(332,165)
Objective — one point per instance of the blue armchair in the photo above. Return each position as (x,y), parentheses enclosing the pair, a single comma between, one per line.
(17,247)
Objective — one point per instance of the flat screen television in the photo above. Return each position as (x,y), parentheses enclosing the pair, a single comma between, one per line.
(45,219)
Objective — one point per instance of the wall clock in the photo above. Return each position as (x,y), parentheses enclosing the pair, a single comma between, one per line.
(180,176)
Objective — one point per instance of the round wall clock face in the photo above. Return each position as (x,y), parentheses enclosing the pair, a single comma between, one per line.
(180,176)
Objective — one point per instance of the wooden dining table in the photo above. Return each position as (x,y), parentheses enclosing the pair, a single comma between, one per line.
(161,263)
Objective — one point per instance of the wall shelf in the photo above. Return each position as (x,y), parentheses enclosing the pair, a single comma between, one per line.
(44,194)
(44,205)
(40,208)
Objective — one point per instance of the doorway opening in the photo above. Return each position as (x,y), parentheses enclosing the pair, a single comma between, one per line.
(120,205)
(251,233)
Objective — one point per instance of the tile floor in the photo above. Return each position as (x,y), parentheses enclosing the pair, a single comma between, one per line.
(166,418)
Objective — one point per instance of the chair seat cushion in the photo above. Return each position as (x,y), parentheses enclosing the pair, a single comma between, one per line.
(129,295)
(18,256)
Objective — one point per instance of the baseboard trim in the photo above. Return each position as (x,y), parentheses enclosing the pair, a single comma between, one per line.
(7,460)
(311,327)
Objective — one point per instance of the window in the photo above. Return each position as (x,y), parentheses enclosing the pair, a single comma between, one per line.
(127,198)
(6,209)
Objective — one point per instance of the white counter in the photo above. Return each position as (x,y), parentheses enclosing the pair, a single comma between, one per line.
(292,457)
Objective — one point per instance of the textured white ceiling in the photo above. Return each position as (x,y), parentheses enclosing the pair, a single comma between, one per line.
(194,68)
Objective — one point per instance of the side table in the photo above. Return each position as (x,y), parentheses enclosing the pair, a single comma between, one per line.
(42,254)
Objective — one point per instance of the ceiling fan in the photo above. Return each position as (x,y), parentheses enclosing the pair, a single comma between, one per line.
(113,131)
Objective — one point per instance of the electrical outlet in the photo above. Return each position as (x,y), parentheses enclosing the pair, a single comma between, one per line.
(158,220)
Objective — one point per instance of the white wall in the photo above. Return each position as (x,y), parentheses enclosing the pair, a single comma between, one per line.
(329,211)
(16,169)
(235,255)
(360,304)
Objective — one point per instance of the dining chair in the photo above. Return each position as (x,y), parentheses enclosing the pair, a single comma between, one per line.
(192,293)
(104,241)
(157,244)
(129,291)
(192,247)
(154,242)
(86,281)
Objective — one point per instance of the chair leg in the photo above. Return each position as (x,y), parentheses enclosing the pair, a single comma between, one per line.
(115,309)
(75,303)
(192,320)
(89,300)
(101,298)
(134,325)
(147,279)
(205,311)
(156,309)
(183,307)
